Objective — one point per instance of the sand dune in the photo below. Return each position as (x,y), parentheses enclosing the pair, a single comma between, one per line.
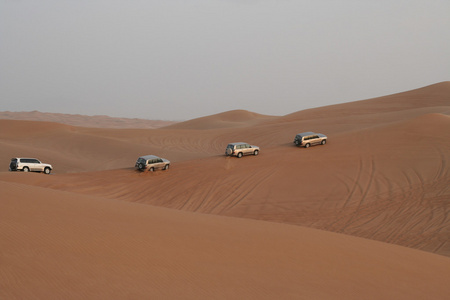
(381,182)
(229,119)
(85,121)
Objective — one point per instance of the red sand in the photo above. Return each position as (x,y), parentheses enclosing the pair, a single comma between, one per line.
(382,180)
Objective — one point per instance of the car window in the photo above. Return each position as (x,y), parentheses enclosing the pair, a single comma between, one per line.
(35,161)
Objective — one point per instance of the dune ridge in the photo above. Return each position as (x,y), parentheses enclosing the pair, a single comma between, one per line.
(84,121)
(229,119)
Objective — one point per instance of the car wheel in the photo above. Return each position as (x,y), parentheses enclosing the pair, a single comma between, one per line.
(239,155)
(140,166)
(47,170)
(256,152)
(26,169)
(324,142)
(307,145)
(297,143)
(151,169)
(166,167)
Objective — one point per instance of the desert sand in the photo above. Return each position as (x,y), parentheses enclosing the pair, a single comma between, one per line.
(85,121)
(365,216)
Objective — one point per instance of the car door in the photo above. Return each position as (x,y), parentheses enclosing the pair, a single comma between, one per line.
(247,149)
(159,164)
(240,148)
(35,165)
(152,164)
(307,140)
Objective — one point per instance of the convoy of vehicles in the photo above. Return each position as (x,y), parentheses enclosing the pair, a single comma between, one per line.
(153,162)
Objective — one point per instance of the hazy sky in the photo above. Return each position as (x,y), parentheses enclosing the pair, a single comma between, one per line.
(182,59)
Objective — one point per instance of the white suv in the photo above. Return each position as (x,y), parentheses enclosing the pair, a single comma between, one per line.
(151,163)
(307,139)
(240,149)
(29,164)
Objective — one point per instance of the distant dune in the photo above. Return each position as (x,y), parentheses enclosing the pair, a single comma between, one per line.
(85,121)
(365,216)
(229,119)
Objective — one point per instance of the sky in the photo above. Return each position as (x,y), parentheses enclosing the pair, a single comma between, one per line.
(180,59)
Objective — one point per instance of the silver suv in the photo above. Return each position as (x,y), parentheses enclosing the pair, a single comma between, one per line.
(151,163)
(307,139)
(240,149)
(29,164)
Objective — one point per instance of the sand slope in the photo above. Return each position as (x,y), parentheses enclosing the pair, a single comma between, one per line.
(61,245)
(383,176)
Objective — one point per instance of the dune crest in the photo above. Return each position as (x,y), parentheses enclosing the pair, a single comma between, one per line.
(229,119)
(85,121)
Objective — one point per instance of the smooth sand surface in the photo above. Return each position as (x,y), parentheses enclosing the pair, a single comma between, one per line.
(84,121)
(365,216)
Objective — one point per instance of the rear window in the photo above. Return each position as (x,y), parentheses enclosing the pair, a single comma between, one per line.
(14,160)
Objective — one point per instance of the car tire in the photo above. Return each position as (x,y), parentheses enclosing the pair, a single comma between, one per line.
(323,142)
(307,145)
(239,155)
(140,166)
(151,169)
(26,169)
(297,143)
(47,170)
(256,152)
(166,167)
